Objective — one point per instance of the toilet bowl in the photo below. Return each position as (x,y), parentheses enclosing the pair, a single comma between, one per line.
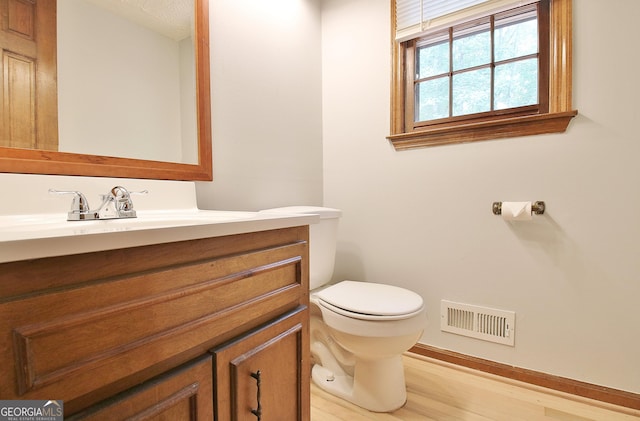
(374,324)
(359,330)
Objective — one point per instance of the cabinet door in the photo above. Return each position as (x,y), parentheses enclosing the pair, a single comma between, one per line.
(264,376)
(185,393)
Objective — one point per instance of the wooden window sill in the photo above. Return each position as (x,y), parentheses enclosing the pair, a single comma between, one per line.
(485,130)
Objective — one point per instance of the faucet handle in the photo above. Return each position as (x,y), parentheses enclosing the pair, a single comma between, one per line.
(141,192)
(79,205)
(122,197)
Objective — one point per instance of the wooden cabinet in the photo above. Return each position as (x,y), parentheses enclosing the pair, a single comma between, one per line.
(260,375)
(104,328)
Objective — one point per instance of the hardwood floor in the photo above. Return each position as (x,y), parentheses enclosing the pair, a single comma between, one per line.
(441,391)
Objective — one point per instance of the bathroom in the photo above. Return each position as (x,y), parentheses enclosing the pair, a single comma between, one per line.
(421,219)
(308,125)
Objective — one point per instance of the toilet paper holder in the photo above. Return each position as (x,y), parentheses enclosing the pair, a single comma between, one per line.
(536,208)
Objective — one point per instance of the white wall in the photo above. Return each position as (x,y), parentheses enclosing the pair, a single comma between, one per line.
(266,105)
(422,219)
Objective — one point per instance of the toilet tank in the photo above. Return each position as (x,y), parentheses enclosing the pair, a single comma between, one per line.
(323,237)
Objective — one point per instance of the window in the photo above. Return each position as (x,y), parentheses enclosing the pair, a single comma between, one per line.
(477,69)
(504,73)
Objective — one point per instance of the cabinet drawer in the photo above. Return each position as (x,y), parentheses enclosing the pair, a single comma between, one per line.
(76,341)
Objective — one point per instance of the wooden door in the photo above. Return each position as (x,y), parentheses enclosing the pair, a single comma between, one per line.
(28,76)
(261,377)
(182,394)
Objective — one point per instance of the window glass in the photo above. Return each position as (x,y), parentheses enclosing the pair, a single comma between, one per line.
(516,84)
(485,65)
(472,92)
(433,59)
(432,97)
(470,50)
(516,39)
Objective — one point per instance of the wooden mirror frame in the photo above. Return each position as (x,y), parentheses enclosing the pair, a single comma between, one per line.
(30,161)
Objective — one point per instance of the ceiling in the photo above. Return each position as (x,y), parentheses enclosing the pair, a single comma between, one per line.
(173,18)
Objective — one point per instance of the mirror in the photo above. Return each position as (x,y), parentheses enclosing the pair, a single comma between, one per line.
(74,123)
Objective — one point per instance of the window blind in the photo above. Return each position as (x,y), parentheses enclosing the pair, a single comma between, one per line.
(415,18)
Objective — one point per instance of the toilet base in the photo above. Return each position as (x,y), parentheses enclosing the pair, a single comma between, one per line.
(377,386)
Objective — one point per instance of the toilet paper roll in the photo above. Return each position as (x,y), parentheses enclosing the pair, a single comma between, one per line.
(516,211)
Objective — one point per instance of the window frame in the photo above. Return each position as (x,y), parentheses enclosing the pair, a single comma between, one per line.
(553,119)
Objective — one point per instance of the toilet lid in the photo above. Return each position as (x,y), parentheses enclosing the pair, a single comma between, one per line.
(371,299)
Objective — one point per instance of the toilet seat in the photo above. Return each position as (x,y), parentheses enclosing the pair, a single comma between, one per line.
(370,301)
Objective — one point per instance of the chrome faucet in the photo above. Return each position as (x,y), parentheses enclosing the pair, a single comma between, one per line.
(116,204)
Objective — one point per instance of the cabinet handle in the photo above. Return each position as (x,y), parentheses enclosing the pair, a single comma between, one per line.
(258,411)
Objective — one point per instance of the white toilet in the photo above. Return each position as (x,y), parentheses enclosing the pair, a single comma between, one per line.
(359,330)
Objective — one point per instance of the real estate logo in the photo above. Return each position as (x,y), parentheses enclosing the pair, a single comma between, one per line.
(44,410)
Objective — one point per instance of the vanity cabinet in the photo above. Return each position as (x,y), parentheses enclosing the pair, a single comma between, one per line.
(159,328)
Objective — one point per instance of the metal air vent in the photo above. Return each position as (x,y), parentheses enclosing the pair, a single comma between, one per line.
(478,322)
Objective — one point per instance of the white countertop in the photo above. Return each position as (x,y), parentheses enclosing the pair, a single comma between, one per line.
(33,225)
(29,242)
